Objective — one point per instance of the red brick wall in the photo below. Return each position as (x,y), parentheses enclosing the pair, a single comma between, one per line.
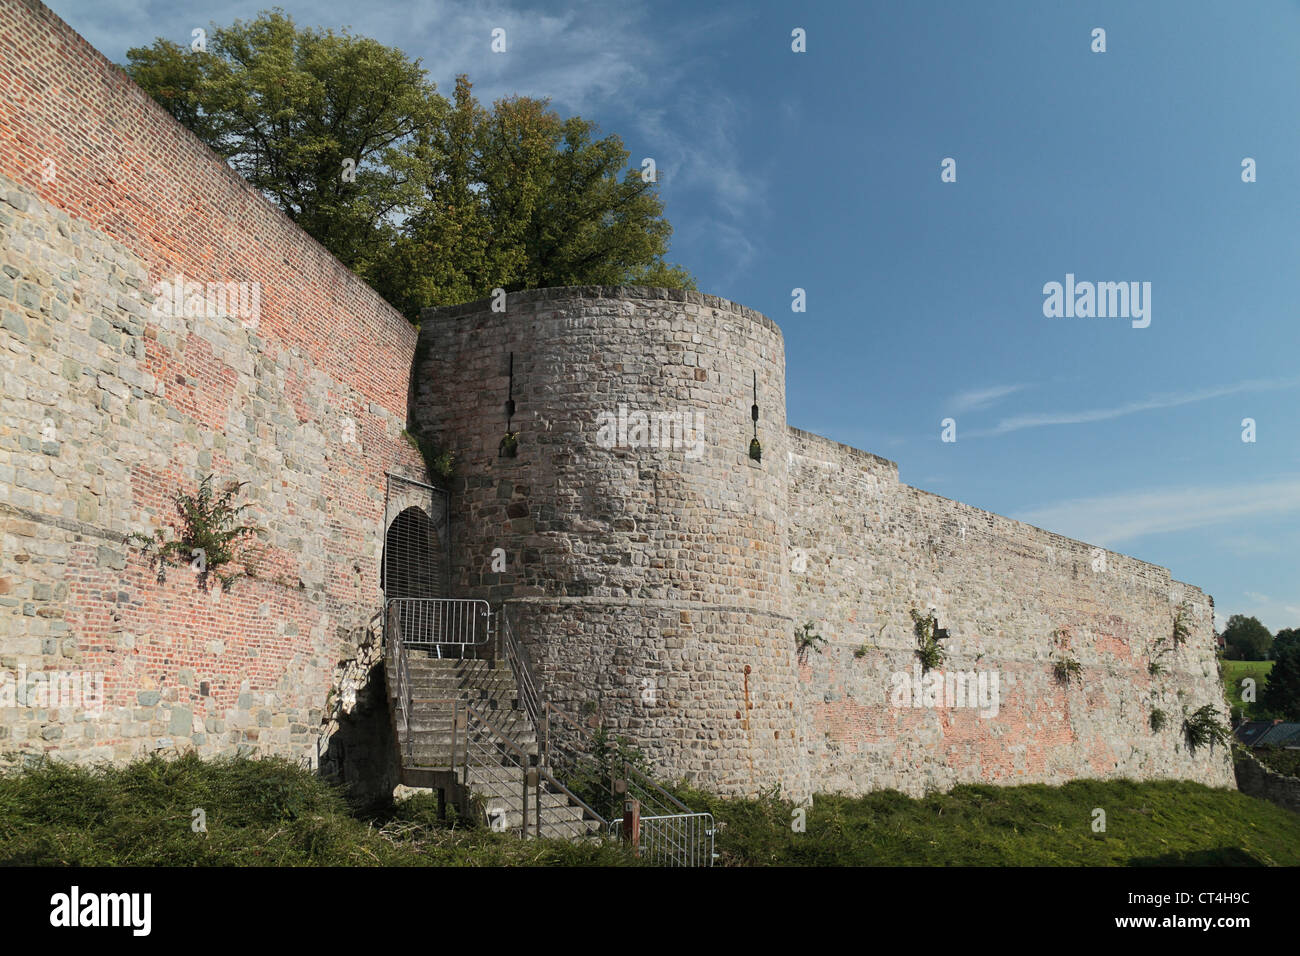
(125,167)
(104,195)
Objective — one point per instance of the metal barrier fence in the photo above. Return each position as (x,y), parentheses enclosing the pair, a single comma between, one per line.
(676,836)
(438,624)
(516,779)
(678,839)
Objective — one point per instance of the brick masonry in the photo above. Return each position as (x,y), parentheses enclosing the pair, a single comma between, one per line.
(109,408)
(657,586)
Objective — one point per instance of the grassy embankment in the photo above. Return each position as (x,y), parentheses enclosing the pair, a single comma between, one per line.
(270,812)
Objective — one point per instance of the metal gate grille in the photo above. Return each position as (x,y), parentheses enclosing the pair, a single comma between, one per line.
(677,839)
(416,556)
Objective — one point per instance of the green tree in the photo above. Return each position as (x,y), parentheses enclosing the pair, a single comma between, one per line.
(521,198)
(1246,639)
(1281,691)
(446,251)
(327,125)
(443,202)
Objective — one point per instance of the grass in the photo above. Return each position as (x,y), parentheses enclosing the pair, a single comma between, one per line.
(259,813)
(1157,823)
(272,813)
(1233,673)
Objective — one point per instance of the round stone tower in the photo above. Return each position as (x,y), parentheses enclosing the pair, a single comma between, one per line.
(639,548)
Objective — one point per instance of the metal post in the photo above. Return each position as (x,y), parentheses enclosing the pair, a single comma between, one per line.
(455,726)
(632,823)
(464,726)
(618,786)
(534,779)
(523,823)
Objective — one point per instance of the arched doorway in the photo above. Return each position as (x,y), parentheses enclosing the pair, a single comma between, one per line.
(414,565)
(415,559)
(411,562)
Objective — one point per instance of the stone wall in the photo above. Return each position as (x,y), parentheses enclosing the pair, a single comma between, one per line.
(1259,781)
(655,569)
(658,566)
(659,591)
(111,405)
(1015,600)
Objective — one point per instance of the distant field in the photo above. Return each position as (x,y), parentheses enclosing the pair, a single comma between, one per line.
(1233,673)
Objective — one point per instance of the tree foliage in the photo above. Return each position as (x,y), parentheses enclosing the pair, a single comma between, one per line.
(431,202)
(1246,639)
(520,198)
(1281,691)
(322,123)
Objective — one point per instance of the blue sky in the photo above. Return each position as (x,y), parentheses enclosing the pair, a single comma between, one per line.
(821,171)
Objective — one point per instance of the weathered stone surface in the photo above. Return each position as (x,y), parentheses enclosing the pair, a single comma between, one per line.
(111,405)
(658,586)
(1014,599)
(1260,781)
(648,573)
(660,589)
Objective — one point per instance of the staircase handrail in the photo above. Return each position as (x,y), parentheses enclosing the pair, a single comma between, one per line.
(541,709)
(525,764)
(546,775)
(526,681)
(635,776)
(401,681)
(475,734)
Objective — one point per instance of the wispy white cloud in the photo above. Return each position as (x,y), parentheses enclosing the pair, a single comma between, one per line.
(696,146)
(589,57)
(977,399)
(1155,402)
(1110,519)
(1249,545)
(1274,614)
(589,54)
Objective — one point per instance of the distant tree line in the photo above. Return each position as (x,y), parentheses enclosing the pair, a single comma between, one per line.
(431,201)
(1246,639)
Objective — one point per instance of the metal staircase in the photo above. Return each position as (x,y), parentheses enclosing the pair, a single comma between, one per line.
(470,722)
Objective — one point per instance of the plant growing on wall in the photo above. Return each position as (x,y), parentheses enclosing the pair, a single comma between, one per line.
(438,463)
(928,649)
(592,780)
(805,640)
(207,538)
(1203,727)
(1158,719)
(1067,669)
(1182,624)
(509,446)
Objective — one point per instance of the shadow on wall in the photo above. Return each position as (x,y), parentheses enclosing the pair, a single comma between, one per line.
(362,753)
